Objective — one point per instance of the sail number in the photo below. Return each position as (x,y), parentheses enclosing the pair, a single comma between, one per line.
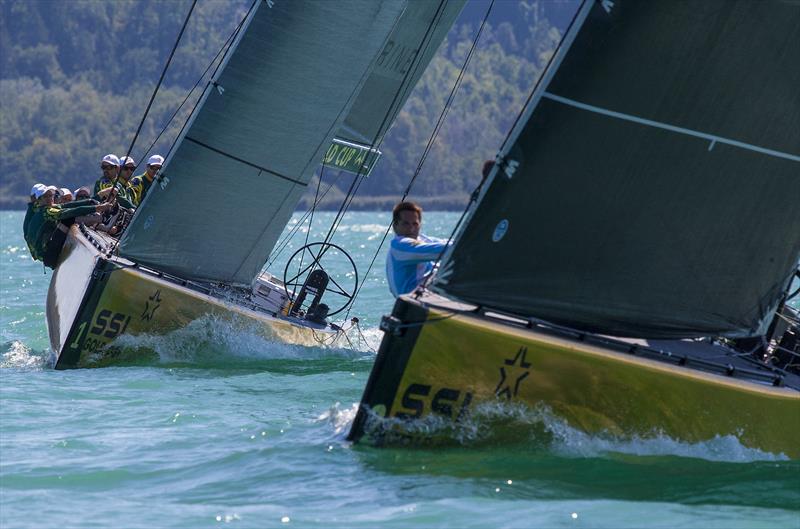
(110,324)
(107,325)
(444,401)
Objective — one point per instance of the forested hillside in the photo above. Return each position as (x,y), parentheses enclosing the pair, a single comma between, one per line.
(76,76)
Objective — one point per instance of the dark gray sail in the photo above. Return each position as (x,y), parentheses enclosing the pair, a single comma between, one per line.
(653,187)
(233,180)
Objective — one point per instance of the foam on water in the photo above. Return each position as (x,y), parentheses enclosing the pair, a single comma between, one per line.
(212,338)
(19,356)
(340,418)
(504,422)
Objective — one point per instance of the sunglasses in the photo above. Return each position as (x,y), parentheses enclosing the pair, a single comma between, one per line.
(154,166)
(108,167)
(129,168)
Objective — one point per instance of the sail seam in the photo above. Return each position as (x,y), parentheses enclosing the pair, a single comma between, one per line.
(672,128)
(232,157)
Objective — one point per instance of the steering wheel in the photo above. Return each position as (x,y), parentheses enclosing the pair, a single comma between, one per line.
(318,251)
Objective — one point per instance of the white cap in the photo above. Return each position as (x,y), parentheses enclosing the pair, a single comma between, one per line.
(64,192)
(110,159)
(37,187)
(44,189)
(155,160)
(126,160)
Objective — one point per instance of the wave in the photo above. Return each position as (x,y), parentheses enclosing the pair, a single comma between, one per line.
(19,356)
(498,422)
(216,341)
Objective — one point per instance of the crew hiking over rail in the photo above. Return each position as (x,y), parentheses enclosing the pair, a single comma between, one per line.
(115,196)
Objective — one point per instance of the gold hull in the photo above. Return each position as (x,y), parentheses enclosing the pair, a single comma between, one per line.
(93,299)
(452,363)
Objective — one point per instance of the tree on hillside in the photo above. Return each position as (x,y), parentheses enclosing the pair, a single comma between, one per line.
(75,78)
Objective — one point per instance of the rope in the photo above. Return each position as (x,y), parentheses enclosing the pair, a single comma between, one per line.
(359,177)
(361,336)
(434,134)
(546,67)
(476,192)
(425,43)
(310,221)
(224,46)
(155,91)
(288,237)
(194,107)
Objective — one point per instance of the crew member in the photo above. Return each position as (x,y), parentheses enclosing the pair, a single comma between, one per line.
(140,184)
(36,191)
(110,166)
(64,195)
(50,222)
(114,181)
(411,254)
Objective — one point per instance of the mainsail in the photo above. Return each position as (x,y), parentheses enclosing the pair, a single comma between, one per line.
(295,74)
(652,187)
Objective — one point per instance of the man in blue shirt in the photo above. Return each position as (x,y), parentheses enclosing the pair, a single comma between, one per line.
(411,255)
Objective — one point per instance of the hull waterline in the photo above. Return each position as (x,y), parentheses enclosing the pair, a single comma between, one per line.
(437,362)
(93,299)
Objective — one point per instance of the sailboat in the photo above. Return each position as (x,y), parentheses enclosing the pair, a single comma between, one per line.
(627,262)
(302,84)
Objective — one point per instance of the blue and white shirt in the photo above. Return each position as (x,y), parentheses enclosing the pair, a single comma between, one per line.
(409,261)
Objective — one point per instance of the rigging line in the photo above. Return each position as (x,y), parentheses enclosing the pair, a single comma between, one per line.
(372,145)
(158,86)
(476,193)
(311,220)
(448,102)
(213,75)
(224,46)
(180,135)
(409,74)
(424,43)
(281,246)
(150,103)
(437,128)
(544,71)
(348,200)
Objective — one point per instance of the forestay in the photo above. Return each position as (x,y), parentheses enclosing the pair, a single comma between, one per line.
(653,188)
(248,152)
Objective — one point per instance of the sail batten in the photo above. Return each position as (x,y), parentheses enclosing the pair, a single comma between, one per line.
(651,189)
(666,126)
(251,164)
